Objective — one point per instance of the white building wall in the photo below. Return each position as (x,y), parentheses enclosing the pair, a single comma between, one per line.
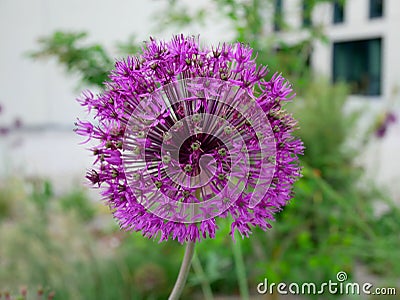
(42,96)
(357,26)
(39,92)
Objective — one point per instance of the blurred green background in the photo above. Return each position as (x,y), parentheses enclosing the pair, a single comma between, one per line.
(68,244)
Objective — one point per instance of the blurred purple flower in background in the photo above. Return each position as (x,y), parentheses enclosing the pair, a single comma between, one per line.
(389,118)
(5,130)
(185,134)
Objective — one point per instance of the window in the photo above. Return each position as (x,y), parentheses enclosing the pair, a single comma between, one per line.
(375,8)
(306,12)
(278,16)
(358,63)
(338,12)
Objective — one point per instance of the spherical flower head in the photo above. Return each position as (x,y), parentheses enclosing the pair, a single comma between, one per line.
(186,134)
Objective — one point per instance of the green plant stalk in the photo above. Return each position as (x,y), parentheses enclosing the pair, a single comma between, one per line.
(240,269)
(183,272)
(205,284)
(340,200)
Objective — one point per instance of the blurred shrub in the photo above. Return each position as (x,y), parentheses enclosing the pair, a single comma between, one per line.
(78,202)
(330,224)
(91,60)
(24,294)
(65,244)
(6,200)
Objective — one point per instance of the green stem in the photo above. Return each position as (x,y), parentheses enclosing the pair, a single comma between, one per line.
(183,272)
(205,284)
(240,268)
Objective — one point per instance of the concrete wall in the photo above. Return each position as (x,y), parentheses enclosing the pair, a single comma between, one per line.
(42,96)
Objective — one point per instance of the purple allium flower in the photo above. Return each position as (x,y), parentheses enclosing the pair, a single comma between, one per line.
(186,134)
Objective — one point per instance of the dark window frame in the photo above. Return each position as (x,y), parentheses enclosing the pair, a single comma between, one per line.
(376,9)
(278,15)
(338,12)
(356,68)
(306,10)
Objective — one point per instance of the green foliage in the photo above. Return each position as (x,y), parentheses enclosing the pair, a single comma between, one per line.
(24,294)
(129,47)
(78,202)
(92,61)
(41,193)
(178,16)
(330,223)
(46,245)
(247,20)
(291,60)
(6,197)
(325,129)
